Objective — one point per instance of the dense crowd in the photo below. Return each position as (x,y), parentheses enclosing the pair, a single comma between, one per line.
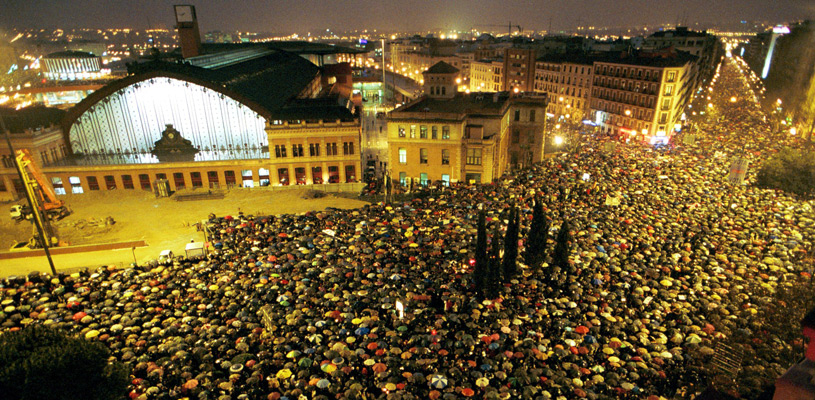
(667,258)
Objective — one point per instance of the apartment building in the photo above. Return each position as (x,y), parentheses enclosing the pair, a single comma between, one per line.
(472,137)
(486,75)
(641,97)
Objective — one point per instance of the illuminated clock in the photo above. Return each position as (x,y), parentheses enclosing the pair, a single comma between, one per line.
(184,13)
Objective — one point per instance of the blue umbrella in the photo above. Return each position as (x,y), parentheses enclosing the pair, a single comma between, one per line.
(597,281)
(486,367)
(589,339)
(493,346)
(362,331)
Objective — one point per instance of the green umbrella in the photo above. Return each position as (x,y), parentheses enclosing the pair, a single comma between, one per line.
(304,362)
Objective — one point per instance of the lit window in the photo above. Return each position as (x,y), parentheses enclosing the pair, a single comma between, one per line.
(402,156)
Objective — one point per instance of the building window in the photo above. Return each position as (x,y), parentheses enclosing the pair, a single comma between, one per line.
(422,156)
(246,177)
(445,157)
(93,184)
(229,178)
(195,179)
(57,183)
(297,150)
(127,182)
(300,176)
(423,132)
(401,131)
(666,104)
(669,89)
(110,182)
(445,178)
(671,76)
(280,151)
(517,115)
(76,185)
(283,176)
(314,149)
(144,181)
(348,148)
(8,162)
(402,156)
(4,189)
(473,156)
(350,174)
(178,178)
(333,174)
(403,178)
(423,179)
(516,136)
(531,115)
(413,131)
(331,149)
(663,118)
(434,132)
(317,175)
(445,132)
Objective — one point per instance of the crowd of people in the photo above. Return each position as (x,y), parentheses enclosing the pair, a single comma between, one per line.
(667,259)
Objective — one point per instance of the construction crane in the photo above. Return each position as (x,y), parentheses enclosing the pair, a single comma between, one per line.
(43,194)
(46,206)
(509,27)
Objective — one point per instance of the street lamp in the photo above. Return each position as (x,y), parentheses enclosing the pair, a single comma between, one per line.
(558,140)
(733,99)
(627,113)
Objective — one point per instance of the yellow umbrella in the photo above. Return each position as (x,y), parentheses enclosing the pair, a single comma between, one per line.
(283,373)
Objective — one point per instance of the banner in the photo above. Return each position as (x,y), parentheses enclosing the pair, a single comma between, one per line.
(738,170)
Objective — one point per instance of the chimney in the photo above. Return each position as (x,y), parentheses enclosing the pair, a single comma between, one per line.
(188,34)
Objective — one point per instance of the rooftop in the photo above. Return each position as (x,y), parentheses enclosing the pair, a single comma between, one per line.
(462,103)
(71,54)
(33,117)
(441,67)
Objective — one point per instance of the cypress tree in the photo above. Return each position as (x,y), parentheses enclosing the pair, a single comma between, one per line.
(561,253)
(511,245)
(538,235)
(481,261)
(494,276)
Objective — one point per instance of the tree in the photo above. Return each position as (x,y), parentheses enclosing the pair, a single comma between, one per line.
(790,170)
(481,259)
(561,252)
(510,261)
(43,363)
(537,237)
(494,276)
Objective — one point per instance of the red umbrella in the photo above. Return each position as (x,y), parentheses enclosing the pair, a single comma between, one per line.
(372,346)
(581,330)
(434,394)
(467,392)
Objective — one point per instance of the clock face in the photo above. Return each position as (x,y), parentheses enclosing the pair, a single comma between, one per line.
(171,135)
(183,13)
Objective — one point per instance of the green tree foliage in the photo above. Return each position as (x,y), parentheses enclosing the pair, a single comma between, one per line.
(481,259)
(536,239)
(43,363)
(510,261)
(561,252)
(790,170)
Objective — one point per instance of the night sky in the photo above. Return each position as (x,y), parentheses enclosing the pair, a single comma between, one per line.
(301,16)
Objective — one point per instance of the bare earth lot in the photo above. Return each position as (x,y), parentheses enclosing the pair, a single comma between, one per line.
(163,223)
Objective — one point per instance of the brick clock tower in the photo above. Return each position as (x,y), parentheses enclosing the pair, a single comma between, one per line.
(188,34)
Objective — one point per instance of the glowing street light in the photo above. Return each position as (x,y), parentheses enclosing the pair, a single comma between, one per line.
(793,131)
(558,140)
(627,113)
(733,99)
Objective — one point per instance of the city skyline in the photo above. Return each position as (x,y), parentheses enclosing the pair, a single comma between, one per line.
(454,15)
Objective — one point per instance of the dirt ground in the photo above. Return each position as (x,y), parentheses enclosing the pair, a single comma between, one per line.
(163,223)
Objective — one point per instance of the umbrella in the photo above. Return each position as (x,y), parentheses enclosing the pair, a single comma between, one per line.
(467,392)
(434,394)
(283,373)
(362,331)
(482,382)
(323,383)
(581,330)
(293,354)
(379,368)
(191,384)
(438,381)
(328,368)
(304,362)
